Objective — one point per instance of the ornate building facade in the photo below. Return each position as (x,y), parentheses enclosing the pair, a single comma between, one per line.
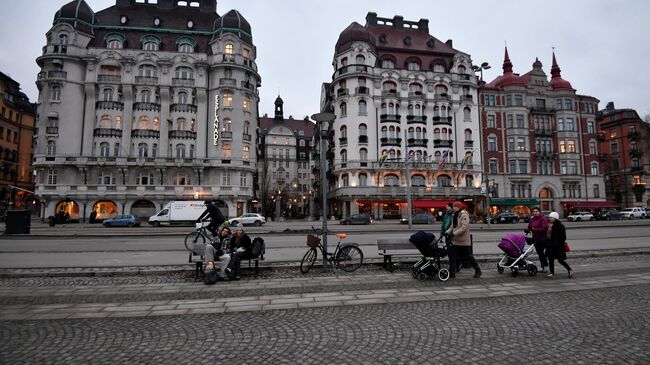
(400,94)
(541,143)
(146,102)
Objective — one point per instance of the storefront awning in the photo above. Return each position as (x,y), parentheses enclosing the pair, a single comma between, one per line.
(592,204)
(431,203)
(512,202)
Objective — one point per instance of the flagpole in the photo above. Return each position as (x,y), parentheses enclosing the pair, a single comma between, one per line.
(408,180)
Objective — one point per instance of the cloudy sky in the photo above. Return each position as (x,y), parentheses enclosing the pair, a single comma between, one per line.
(601,45)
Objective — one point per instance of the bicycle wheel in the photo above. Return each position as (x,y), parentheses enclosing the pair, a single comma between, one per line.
(349,258)
(195,242)
(308,260)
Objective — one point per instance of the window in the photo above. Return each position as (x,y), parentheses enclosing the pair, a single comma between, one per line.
(509,121)
(229,49)
(344,156)
(107,94)
(181,178)
(491,122)
(184,73)
(52,177)
(243,179)
(573,168)
(227,99)
(246,53)
(105,121)
(562,146)
(344,109)
(418,180)
(467,114)
(144,179)
(490,100)
(150,46)
(180,150)
(596,191)
(571,146)
(246,150)
(493,166)
(363,107)
(156,123)
(438,68)
(145,96)
(143,122)
(363,155)
(247,104)
(226,151)
(444,181)
(560,124)
(142,150)
(511,144)
(104,149)
(513,166)
(591,127)
(520,121)
(191,151)
(592,148)
(363,130)
(569,126)
(227,125)
(185,48)
(521,144)
(391,180)
(523,166)
(181,124)
(413,66)
(492,143)
(519,100)
(154,149)
(567,104)
(594,168)
(363,180)
(387,64)
(51,148)
(613,146)
(247,127)
(345,180)
(508,100)
(56,93)
(105,178)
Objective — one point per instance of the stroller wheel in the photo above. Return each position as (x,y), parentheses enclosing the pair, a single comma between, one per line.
(532,270)
(500,269)
(422,276)
(515,271)
(443,274)
(415,273)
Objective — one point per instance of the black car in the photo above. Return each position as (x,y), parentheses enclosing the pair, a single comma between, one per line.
(608,215)
(419,219)
(357,219)
(507,217)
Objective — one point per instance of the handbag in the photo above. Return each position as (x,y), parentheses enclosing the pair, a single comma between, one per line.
(567,248)
(212,276)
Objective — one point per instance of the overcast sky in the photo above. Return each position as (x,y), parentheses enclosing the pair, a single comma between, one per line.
(601,45)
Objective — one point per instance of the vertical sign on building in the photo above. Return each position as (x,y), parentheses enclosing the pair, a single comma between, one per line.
(216,120)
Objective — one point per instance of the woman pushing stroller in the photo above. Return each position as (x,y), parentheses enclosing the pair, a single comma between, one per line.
(538,226)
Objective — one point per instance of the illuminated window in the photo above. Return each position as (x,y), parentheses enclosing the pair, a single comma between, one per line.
(229,49)
(227,99)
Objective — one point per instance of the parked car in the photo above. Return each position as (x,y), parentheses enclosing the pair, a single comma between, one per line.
(419,219)
(631,213)
(357,219)
(505,217)
(580,216)
(122,221)
(248,219)
(608,215)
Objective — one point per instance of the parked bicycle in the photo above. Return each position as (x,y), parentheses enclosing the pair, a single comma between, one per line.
(347,256)
(195,241)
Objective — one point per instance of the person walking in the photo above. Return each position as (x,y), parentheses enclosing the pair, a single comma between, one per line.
(555,245)
(538,225)
(446,222)
(461,237)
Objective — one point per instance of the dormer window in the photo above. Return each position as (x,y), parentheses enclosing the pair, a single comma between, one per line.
(229,49)
(114,41)
(186,45)
(150,43)
(387,64)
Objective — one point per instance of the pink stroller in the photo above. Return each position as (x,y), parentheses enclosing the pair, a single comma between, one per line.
(516,248)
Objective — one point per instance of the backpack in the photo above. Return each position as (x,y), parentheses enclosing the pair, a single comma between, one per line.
(257,248)
(212,276)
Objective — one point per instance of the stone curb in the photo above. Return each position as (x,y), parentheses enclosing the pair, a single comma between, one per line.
(187,269)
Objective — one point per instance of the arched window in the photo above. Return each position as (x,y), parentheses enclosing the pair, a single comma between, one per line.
(145,96)
(441,91)
(384,132)
(104,149)
(437,155)
(469,180)
(418,110)
(592,148)
(180,150)
(363,155)
(444,134)
(247,127)
(51,148)
(387,63)
(63,39)
(142,150)
(107,94)
(156,123)
(247,103)
(418,180)
(391,132)
(105,121)
(413,65)
(246,152)
(226,151)
(391,180)
(114,41)
(182,97)
(443,112)
(468,134)
(415,88)
(418,133)
(363,107)
(148,71)
(436,111)
(143,122)
(360,60)
(181,124)
(391,109)
(594,168)
(184,73)
(444,181)
(363,130)
(229,49)
(186,45)
(344,156)
(344,109)
(467,114)
(227,99)
(56,93)
(436,133)
(150,43)
(363,179)
(227,125)
(344,132)
(462,69)
(345,180)
(437,67)
(389,86)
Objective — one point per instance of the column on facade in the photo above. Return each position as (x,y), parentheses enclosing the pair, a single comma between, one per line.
(127,120)
(89,117)
(165,101)
(202,135)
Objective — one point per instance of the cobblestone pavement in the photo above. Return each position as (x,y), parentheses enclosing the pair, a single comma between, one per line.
(370,316)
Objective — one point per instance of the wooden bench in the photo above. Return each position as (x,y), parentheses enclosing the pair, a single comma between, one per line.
(197,257)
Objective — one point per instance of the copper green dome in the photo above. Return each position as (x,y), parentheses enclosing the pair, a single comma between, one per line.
(233,22)
(78,14)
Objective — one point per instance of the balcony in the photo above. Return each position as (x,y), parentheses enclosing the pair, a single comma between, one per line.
(633,136)
(417,95)
(341,92)
(542,110)
(228,58)
(146,80)
(439,120)
(107,132)
(416,119)
(57,75)
(224,81)
(469,143)
(145,133)
(464,77)
(52,130)
(246,137)
(147,107)
(182,135)
(350,69)
(543,132)
(110,79)
(226,136)
(392,93)
(395,118)
(439,143)
(183,108)
(109,105)
(362,90)
(467,98)
(441,97)
(385,141)
(363,139)
(183,82)
(417,142)
(247,85)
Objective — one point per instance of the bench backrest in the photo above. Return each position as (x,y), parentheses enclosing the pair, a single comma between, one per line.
(400,244)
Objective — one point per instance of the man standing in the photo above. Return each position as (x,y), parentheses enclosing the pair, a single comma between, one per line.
(216,218)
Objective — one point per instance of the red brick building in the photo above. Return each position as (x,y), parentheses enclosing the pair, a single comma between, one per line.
(626,153)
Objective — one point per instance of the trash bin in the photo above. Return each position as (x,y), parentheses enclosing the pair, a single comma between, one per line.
(18,221)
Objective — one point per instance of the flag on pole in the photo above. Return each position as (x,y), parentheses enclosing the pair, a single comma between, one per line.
(411,154)
(384,156)
(467,160)
(443,159)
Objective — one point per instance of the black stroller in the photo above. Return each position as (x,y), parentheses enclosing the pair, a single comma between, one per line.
(432,252)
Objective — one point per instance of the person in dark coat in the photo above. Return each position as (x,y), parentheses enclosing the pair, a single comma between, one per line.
(240,249)
(216,218)
(539,226)
(556,239)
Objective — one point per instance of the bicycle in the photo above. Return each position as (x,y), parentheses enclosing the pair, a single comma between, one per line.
(347,256)
(195,241)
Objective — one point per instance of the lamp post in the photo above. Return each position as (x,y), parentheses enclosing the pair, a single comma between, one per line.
(322,122)
(484,176)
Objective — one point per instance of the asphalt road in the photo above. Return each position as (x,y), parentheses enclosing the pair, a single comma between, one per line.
(116,251)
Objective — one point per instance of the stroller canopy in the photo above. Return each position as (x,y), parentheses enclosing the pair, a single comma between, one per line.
(513,244)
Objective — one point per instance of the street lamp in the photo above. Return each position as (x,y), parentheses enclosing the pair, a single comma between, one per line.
(484,176)
(322,122)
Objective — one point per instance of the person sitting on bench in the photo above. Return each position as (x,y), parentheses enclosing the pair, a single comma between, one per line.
(219,249)
(240,246)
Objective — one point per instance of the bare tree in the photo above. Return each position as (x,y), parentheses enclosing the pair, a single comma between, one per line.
(265,186)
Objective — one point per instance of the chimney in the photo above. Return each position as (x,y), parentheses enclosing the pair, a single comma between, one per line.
(450,43)
(398,22)
(610,106)
(423,26)
(371,19)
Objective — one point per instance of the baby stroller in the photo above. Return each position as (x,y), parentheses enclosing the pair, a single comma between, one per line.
(515,253)
(429,264)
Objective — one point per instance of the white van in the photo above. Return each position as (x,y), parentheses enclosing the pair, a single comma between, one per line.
(177,212)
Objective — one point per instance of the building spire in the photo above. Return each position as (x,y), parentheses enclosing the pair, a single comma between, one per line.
(507,65)
(555,69)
